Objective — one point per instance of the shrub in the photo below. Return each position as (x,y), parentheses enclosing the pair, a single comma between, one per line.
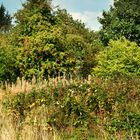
(8,69)
(84,106)
(120,58)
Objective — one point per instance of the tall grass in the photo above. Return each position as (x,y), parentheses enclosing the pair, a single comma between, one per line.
(70,108)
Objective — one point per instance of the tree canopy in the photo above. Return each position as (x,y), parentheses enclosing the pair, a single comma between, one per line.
(123,19)
(50,42)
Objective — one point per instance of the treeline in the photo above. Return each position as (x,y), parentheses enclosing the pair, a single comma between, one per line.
(46,42)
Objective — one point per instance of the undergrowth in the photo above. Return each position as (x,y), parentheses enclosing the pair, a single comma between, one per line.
(73,109)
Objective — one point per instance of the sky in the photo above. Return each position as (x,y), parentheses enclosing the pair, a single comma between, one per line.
(85,10)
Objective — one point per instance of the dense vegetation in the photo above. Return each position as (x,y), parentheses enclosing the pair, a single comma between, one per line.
(121,20)
(60,80)
(120,58)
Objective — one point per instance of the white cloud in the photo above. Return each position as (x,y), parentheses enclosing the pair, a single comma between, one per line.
(89,18)
(111,2)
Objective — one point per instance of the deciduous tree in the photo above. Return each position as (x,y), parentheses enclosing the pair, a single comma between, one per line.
(123,19)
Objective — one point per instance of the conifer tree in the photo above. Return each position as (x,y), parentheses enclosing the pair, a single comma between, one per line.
(5,19)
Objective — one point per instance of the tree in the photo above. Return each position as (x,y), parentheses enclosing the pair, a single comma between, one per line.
(39,39)
(120,58)
(5,19)
(49,42)
(81,43)
(123,19)
(75,27)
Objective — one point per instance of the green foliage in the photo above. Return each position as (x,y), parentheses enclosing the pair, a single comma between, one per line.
(89,59)
(121,20)
(42,54)
(50,45)
(39,39)
(129,121)
(8,70)
(5,19)
(120,58)
(80,106)
(81,44)
(45,44)
(75,52)
(75,27)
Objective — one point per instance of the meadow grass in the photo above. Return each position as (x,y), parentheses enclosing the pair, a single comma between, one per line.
(72,109)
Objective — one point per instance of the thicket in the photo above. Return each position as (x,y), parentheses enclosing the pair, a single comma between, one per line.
(8,69)
(51,42)
(121,58)
(76,109)
(45,62)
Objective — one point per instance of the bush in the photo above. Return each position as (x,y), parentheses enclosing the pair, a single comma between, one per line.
(8,69)
(120,58)
(110,105)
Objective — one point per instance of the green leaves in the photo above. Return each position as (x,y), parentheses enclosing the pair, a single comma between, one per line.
(121,20)
(49,42)
(8,70)
(121,57)
(40,43)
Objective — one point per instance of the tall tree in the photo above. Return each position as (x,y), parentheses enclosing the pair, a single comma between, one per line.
(5,19)
(82,44)
(49,42)
(39,40)
(123,19)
